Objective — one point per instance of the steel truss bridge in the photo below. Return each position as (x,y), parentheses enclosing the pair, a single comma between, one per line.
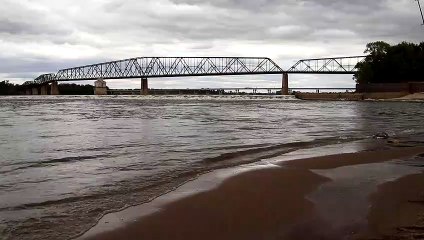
(339,65)
(155,67)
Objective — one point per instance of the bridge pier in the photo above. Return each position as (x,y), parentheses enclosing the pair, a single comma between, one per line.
(43,90)
(54,88)
(144,87)
(34,91)
(100,87)
(285,84)
(28,92)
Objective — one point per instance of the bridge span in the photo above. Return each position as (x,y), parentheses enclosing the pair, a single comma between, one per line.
(165,67)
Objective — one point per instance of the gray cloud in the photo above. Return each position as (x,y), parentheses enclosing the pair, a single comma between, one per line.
(44,35)
(18,19)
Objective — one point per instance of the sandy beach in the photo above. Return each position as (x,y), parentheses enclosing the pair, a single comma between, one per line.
(415,96)
(309,198)
(397,209)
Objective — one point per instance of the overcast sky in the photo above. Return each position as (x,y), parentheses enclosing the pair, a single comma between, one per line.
(42,36)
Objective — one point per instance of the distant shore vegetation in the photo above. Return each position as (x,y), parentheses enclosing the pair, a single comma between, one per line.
(7,88)
(387,63)
(75,89)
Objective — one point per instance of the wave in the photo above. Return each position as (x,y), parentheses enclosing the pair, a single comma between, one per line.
(52,162)
(51,202)
(154,97)
(260,153)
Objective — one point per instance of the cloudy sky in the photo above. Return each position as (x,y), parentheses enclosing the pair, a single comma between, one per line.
(42,36)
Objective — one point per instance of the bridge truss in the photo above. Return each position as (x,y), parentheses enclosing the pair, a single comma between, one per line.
(154,67)
(336,65)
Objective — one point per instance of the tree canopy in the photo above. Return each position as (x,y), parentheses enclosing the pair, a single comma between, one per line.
(7,88)
(75,89)
(403,62)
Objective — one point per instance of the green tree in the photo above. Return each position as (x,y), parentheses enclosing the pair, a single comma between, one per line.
(7,88)
(75,89)
(378,48)
(403,62)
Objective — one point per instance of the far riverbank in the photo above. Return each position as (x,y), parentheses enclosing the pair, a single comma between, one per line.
(391,96)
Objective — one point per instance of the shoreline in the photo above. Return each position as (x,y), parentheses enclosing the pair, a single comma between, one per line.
(211,179)
(371,96)
(230,209)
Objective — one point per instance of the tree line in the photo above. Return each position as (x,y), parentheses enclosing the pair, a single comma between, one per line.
(387,63)
(7,88)
(75,89)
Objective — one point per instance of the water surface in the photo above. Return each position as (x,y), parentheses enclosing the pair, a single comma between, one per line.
(66,161)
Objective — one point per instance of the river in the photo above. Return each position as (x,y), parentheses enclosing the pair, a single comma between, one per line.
(65,161)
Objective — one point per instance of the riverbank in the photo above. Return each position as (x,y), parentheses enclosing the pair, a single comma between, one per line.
(354,96)
(325,197)
(415,96)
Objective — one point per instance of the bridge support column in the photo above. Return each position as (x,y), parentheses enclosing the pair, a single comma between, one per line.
(100,87)
(144,87)
(28,92)
(43,89)
(54,90)
(285,84)
(34,91)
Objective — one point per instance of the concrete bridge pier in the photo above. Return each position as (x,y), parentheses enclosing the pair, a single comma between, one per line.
(285,84)
(100,87)
(43,90)
(144,87)
(34,91)
(54,88)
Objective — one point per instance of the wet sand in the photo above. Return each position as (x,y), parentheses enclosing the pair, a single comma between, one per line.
(346,159)
(273,203)
(397,210)
(415,96)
